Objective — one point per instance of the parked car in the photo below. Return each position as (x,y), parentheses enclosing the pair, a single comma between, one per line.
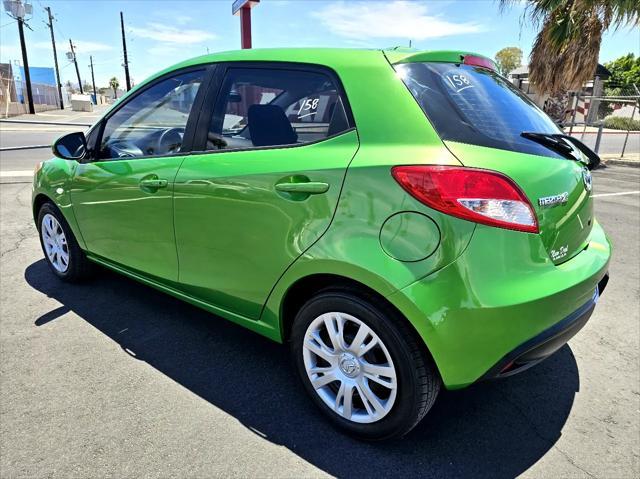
(404,220)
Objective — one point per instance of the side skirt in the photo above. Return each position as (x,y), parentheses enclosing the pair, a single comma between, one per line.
(256,326)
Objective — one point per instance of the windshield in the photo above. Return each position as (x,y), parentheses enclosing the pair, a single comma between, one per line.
(165,105)
(477,106)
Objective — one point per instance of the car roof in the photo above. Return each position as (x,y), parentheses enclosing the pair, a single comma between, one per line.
(320,56)
(329,56)
(335,58)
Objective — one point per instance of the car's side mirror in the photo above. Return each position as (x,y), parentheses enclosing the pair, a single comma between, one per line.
(70,147)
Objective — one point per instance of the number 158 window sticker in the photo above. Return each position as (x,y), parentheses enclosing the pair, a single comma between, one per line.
(308,107)
(456,80)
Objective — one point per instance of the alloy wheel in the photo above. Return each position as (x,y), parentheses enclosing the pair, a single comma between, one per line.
(349,367)
(55,243)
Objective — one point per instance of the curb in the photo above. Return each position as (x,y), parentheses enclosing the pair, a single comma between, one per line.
(36,122)
(28,147)
(622,162)
(17,180)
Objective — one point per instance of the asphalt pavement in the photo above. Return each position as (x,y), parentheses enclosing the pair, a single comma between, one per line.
(33,134)
(611,142)
(114,379)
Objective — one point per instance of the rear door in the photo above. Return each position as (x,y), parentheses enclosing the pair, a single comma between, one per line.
(481,118)
(123,196)
(276,148)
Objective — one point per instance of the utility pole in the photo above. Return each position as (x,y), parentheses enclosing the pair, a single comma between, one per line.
(25,64)
(93,81)
(55,56)
(75,62)
(17,10)
(124,48)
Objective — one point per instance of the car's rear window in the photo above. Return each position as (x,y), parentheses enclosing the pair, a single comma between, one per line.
(474,105)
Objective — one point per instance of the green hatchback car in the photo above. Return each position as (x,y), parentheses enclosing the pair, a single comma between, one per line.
(405,220)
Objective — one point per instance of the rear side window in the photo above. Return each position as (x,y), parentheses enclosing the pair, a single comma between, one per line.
(477,106)
(260,107)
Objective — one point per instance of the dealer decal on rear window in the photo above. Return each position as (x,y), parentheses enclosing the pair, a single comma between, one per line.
(458,81)
(308,107)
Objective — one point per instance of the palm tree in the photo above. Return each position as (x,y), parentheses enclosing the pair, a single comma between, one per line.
(114,84)
(565,52)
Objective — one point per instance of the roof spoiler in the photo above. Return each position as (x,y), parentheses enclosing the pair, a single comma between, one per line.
(445,56)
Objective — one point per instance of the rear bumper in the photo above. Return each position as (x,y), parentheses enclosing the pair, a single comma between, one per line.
(503,305)
(548,342)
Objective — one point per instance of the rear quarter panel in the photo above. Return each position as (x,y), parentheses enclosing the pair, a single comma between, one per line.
(392,131)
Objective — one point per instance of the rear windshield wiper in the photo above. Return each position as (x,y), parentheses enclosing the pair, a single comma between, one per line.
(565,145)
(551,141)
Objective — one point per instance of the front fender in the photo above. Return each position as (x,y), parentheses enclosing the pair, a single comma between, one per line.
(51,182)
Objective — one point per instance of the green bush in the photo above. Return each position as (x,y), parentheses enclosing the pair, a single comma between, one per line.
(621,123)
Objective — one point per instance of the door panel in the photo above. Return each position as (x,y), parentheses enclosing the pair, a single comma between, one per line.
(242,217)
(125,209)
(123,202)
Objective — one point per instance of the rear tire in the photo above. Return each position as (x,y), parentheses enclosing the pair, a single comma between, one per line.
(362,365)
(61,250)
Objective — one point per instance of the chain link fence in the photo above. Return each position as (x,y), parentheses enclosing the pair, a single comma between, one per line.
(607,119)
(13,97)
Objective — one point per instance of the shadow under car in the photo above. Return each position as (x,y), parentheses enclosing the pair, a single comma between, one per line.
(494,429)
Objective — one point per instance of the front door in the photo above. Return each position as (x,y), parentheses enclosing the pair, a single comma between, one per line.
(123,197)
(279,144)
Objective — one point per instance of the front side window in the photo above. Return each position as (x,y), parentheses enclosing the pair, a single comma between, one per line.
(473,105)
(152,123)
(260,107)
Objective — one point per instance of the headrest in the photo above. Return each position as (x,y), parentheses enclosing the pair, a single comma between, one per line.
(269,126)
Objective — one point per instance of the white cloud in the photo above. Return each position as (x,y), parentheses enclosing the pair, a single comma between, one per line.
(82,46)
(169,34)
(397,19)
(183,19)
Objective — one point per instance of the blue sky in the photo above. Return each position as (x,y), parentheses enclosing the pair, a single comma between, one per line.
(161,32)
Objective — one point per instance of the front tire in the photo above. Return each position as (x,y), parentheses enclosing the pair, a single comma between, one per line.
(61,250)
(362,365)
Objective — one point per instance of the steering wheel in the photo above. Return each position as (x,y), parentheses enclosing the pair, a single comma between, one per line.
(169,141)
(124,149)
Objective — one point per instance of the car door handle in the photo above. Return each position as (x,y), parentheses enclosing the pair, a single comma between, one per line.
(154,183)
(308,187)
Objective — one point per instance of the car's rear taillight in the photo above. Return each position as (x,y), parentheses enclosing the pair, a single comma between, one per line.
(482,196)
